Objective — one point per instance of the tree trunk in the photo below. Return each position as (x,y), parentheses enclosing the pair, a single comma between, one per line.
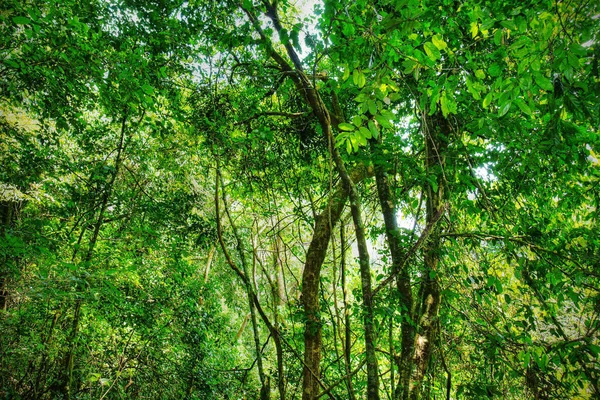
(347,348)
(403,282)
(365,277)
(436,133)
(9,211)
(310,284)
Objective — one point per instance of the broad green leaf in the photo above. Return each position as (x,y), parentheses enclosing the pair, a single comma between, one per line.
(409,65)
(359,78)
(284,36)
(498,37)
(447,104)
(373,128)
(595,350)
(365,132)
(472,89)
(480,74)
(432,51)
(439,42)
(524,107)
(474,29)
(503,109)
(372,107)
(526,359)
(147,89)
(573,60)
(495,70)
(344,126)
(21,20)
(361,140)
(346,73)
(487,100)
(542,81)
(433,101)
(384,122)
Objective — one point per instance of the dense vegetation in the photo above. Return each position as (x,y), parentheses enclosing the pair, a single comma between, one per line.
(382,199)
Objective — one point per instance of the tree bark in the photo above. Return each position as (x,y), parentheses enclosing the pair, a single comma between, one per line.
(347,348)
(365,273)
(9,211)
(315,256)
(436,130)
(403,281)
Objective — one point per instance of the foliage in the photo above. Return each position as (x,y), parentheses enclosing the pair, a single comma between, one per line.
(173,217)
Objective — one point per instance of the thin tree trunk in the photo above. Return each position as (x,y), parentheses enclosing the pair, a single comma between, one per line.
(403,282)
(347,328)
(211,254)
(315,256)
(365,271)
(435,130)
(279,301)
(9,211)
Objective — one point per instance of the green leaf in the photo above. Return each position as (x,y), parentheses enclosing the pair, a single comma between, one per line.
(474,29)
(542,81)
(487,100)
(448,105)
(409,65)
(21,20)
(473,89)
(372,107)
(384,122)
(498,37)
(358,78)
(480,74)
(524,107)
(366,133)
(503,109)
(373,128)
(595,350)
(573,60)
(147,89)
(432,51)
(346,73)
(439,42)
(284,36)
(344,126)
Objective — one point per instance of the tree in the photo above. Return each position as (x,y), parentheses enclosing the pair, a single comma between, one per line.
(228,199)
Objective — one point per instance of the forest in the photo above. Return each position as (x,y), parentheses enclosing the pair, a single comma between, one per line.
(299,199)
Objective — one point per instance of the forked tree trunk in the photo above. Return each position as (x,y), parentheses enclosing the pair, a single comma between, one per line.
(315,256)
